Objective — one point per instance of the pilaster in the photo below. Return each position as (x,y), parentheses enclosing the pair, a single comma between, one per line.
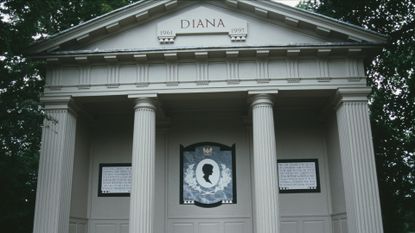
(266,211)
(358,162)
(53,195)
(143,166)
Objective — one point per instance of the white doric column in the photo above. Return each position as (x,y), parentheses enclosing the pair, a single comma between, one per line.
(358,162)
(265,165)
(54,185)
(143,167)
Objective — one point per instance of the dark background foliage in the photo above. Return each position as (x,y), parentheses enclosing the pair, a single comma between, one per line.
(21,84)
(391,75)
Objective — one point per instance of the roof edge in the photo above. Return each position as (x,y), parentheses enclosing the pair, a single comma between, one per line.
(317,16)
(108,18)
(144,9)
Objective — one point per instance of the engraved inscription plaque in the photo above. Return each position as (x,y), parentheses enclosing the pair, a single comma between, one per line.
(298,175)
(114,179)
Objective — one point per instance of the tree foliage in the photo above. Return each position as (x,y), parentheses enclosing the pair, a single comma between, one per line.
(21,84)
(392,77)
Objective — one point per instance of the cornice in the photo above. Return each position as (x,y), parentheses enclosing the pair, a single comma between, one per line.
(301,18)
(128,55)
(108,23)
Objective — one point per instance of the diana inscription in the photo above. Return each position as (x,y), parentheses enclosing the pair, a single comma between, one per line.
(205,22)
(201,23)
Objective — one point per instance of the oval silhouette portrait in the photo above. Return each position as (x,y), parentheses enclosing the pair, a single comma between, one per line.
(207,173)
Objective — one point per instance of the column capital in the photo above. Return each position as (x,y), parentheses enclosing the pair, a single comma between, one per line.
(145,103)
(60,103)
(257,98)
(146,100)
(351,95)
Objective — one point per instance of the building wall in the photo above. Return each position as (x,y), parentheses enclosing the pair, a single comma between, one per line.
(339,217)
(111,143)
(193,127)
(298,137)
(80,184)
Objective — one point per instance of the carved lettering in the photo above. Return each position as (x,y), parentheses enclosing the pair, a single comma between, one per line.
(221,24)
(185,23)
(201,23)
(211,23)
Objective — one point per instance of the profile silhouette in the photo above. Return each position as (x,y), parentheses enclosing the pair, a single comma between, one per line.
(207,171)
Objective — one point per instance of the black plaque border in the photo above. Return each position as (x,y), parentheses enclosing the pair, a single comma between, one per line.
(315,161)
(192,147)
(100,193)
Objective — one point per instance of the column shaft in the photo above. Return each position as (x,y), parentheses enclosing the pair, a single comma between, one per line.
(358,163)
(143,168)
(53,195)
(265,166)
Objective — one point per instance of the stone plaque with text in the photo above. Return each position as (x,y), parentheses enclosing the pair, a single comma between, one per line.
(114,179)
(298,175)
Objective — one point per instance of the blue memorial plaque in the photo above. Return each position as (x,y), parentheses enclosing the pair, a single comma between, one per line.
(207,174)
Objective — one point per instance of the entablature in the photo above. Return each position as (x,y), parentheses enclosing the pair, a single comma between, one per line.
(171,72)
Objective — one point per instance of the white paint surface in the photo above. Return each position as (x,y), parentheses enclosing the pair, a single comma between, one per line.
(202,83)
(292,3)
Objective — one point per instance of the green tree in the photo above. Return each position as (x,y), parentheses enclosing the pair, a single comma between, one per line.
(392,78)
(21,84)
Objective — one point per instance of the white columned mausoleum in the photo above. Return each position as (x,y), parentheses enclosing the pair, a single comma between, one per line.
(225,116)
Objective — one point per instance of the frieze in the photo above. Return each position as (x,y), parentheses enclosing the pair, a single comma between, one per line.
(203,74)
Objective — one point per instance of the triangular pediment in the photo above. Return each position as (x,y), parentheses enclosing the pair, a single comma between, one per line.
(155,25)
(203,26)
